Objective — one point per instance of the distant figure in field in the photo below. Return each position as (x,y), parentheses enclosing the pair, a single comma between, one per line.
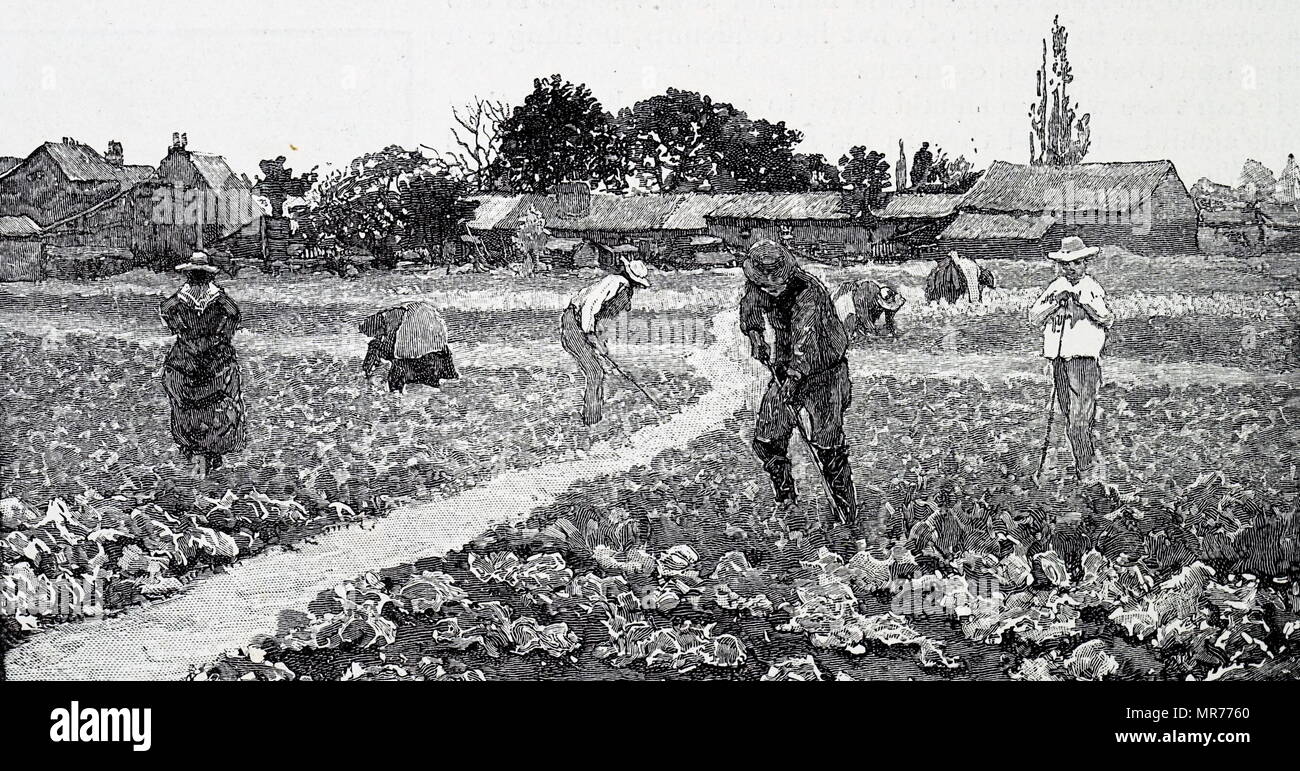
(200,373)
(587,320)
(414,338)
(1073,314)
(860,304)
(955,278)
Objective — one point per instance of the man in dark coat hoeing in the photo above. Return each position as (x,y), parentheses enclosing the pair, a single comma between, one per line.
(809,372)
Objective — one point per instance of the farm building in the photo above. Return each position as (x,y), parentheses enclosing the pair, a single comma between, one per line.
(1025,211)
(1279,227)
(701,228)
(204,191)
(1229,230)
(1207,192)
(813,224)
(664,229)
(571,253)
(60,179)
(21,250)
(98,214)
(126,221)
(913,221)
(816,225)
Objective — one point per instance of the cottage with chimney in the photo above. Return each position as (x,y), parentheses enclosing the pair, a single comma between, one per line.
(60,179)
(205,192)
(95,214)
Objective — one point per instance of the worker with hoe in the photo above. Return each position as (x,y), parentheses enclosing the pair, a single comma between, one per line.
(809,373)
(587,320)
(1074,317)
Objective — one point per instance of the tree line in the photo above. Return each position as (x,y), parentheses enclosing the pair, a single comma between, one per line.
(678,141)
(674,142)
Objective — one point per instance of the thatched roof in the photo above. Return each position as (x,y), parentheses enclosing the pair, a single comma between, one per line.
(1012,187)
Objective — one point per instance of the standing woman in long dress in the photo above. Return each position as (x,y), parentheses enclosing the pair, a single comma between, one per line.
(201,374)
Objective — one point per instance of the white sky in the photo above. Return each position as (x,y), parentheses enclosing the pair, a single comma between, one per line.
(1201,83)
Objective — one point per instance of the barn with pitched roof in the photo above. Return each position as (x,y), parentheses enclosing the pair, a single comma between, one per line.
(1024,211)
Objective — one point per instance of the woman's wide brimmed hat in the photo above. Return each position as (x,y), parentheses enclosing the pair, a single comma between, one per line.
(198,261)
(890,299)
(1072,248)
(636,272)
(769,265)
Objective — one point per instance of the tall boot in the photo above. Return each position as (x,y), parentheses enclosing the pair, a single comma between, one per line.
(776,462)
(834,463)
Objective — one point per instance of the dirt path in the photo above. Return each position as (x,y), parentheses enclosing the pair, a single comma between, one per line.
(160,641)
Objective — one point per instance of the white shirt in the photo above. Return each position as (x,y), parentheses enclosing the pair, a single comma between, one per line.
(1067,338)
(591,299)
(972,273)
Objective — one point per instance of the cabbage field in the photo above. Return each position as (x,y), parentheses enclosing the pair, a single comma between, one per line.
(100,512)
(1183,565)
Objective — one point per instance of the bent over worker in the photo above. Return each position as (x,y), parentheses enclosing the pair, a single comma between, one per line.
(414,338)
(809,372)
(861,304)
(586,321)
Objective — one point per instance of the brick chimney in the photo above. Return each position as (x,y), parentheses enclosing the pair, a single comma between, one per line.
(114,154)
(179,141)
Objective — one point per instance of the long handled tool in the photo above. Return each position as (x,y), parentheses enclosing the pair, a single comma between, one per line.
(629,379)
(1051,409)
(821,474)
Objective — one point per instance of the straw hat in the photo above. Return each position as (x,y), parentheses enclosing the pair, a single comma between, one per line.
(198,261)
(636,272)
(1072,248)
(768,265)
(890,299)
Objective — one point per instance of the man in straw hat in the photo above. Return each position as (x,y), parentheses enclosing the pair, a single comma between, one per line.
(1073,314)
(809,372)
(587,320)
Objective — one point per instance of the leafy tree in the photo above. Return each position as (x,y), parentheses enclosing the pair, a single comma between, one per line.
(867,173)
(559,134)
(363,205)
(820,173)
(681,140)
(435,209)
(947,175)
(673,140)
(758,156)
(278,184)
(922,164)
(1058,136)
